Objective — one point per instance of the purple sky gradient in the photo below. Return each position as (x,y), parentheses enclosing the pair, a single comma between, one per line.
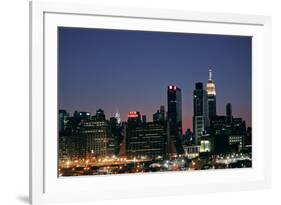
(130,70)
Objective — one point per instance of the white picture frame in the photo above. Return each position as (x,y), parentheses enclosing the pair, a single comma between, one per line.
(46,187)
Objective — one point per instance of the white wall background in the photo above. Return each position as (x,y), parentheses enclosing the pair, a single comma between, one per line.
(14,99)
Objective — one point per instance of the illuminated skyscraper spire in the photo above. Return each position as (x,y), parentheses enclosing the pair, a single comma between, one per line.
(211,88)
(117,116)
(211,91)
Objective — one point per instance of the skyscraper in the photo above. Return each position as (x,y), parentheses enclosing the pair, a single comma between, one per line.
(200,111)
(175,116)
(211,92)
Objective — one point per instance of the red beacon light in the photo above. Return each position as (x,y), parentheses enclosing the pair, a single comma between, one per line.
(133,114)
(172,87)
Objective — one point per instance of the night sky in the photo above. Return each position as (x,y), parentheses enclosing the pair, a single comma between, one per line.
(130,70)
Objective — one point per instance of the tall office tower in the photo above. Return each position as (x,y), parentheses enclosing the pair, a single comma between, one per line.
(228,113)
(211,92)
(175,116)
(170,143)
(200,111)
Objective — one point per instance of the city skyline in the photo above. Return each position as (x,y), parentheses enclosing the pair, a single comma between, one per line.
(113,69)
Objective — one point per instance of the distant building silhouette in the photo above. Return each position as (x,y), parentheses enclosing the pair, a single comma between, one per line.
(159,116)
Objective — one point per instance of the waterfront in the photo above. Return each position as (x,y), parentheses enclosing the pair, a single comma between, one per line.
(115,165)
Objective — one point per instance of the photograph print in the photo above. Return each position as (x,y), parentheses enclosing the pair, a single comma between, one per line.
(143,101)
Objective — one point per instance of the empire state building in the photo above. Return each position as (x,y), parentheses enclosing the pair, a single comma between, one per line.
(211,92)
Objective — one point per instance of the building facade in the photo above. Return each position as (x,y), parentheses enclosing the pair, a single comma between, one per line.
(99,140)
(144,140)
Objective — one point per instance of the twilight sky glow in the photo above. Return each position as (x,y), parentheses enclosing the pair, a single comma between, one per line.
(130,70)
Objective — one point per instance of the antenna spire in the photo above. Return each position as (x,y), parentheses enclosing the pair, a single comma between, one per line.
(210,73)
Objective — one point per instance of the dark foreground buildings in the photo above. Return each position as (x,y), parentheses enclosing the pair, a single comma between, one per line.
(144,139)
(86,136)
(228,133)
